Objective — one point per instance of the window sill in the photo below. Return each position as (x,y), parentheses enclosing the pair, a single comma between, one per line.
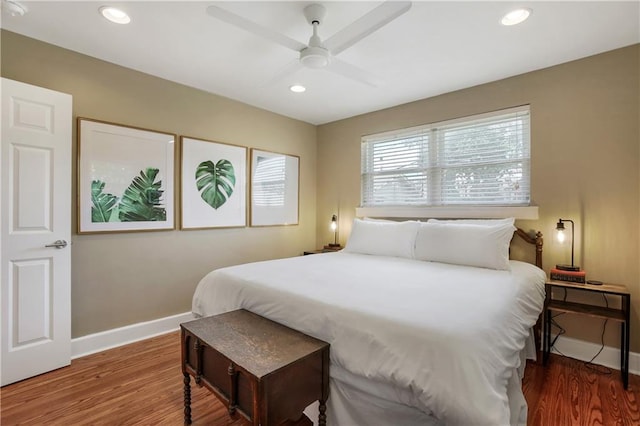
(451,212)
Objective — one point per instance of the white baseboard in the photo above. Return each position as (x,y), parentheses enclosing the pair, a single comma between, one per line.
(98,342)
(584,351)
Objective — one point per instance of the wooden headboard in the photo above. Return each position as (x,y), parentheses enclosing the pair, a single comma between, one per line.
(536,240)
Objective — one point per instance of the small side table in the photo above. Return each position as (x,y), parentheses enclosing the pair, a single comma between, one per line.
(621,315)
(326,249)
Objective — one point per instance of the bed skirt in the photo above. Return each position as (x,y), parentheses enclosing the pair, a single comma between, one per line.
(359,407)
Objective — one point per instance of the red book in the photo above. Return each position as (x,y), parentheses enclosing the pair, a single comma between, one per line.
(571,276)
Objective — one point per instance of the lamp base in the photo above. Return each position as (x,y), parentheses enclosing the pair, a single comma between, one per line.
(568,267)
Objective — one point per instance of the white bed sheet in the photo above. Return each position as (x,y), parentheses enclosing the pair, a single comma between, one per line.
(444,339)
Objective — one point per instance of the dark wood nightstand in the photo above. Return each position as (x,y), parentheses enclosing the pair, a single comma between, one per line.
(621,315)
(263,370)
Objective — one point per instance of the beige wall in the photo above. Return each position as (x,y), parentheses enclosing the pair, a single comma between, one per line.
(585,119)
(120,279)
(585,143)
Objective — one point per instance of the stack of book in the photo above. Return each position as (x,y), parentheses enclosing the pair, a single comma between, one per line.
(571,276)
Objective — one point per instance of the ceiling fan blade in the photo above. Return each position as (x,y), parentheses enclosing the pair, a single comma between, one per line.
(367,24)
(288,70)
(257,29)
(351,71)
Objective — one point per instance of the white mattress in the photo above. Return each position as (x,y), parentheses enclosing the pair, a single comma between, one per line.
(444,339)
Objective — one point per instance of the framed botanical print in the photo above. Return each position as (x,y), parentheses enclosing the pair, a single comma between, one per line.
(213,184)
(125,178)
(274,188)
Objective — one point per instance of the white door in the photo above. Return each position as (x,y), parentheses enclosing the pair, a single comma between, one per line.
(35,213)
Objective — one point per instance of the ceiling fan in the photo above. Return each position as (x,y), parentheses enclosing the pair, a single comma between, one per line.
(318,53)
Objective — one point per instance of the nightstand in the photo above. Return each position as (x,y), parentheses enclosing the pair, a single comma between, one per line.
(621,315)
(323,250)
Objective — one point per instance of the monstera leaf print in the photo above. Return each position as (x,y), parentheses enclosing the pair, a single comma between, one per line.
(141,201)
(215,182)
(103,204)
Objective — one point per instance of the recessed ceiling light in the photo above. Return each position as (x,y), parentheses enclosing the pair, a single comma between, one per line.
(115,15)
(516,16)
(297,88)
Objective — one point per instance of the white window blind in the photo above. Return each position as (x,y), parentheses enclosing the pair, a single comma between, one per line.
(478,160)
(269,181)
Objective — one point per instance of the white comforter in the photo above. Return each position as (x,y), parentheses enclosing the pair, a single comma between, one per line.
(445,339)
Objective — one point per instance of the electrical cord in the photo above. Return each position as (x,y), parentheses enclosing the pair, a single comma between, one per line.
(561,330)
(589,364)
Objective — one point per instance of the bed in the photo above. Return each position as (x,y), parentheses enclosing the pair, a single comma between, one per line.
(418,337)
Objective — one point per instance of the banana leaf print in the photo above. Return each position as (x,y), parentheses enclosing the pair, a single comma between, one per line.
(215,182)
(103,203)
(141,201)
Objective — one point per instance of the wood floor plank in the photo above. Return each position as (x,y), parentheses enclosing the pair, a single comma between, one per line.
(141,384)
(568,392)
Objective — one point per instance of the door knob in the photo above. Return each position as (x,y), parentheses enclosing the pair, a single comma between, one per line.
(59,244)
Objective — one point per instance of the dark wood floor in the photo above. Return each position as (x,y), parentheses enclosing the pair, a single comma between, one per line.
(141,384)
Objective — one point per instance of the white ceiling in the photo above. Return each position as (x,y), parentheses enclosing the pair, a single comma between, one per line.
(434,48)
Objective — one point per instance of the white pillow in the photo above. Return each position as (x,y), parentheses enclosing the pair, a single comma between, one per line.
(395,239)
(488,222)
(465,244)
(374,219)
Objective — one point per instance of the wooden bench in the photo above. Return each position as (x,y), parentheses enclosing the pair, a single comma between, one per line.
(265,371)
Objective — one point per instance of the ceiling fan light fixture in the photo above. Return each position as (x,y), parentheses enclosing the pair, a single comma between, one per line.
(14,8)
(314,57)
(516,16)
(318,54)
(115,15)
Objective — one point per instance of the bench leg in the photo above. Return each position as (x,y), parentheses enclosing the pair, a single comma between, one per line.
(322,417)
(187,399)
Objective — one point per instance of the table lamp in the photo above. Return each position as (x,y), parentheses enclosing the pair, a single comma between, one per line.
(560,235)
(334,228)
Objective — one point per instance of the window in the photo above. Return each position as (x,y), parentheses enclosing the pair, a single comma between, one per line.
(475,161)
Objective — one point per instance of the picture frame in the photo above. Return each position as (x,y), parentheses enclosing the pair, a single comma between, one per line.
(125,178)
(274,188)
(213,182)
